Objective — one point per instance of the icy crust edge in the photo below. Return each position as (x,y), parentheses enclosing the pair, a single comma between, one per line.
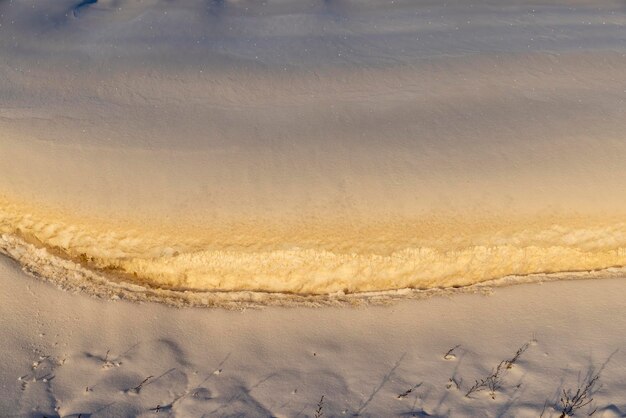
(73,277)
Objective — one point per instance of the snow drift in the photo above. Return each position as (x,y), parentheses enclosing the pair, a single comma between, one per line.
(313,147)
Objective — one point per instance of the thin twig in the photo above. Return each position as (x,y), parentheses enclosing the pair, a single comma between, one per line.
(319,413)
(137,388)
(449,354)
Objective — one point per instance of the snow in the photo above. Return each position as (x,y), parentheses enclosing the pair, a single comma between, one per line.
(280,361)
(407,149)
(354,188)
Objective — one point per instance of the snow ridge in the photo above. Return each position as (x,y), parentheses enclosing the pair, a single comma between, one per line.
(84,275)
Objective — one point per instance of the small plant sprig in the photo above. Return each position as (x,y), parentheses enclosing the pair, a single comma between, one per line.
(137,388)
(573,401)
(107,363)
(509,363)
(319,411)
(493,382)
(408,391)
(452,382)
(450,353)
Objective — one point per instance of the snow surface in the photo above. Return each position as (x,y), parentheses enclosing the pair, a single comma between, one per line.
(303,153)
(315,147)
(280,361)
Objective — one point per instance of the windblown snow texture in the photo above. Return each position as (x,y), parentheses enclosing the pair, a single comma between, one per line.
(314,147)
